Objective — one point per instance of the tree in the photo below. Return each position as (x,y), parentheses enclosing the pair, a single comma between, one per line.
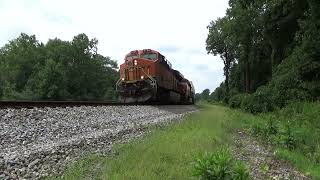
(275,52)
(220,41)
(205,95)
(57,70)
(218,95)
(197,97)
(280,26)
(21,59)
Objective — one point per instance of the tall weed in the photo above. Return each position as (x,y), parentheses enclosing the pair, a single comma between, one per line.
(220,166)
(295,127)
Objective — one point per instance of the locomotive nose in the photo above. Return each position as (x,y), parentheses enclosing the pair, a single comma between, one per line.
(129,63)
(134,71)
(133,62)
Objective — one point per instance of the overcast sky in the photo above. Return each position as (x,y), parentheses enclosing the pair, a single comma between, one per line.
(175,28)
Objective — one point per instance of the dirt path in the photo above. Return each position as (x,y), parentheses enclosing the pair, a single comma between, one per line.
(262,161)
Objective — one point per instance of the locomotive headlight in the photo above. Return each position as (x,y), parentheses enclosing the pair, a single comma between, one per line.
(135,62)
(122,79)
(142,77)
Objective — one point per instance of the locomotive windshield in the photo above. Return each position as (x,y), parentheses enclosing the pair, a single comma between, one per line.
(149,56)
(132,57)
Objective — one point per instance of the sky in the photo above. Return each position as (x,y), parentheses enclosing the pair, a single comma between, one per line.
(175,28)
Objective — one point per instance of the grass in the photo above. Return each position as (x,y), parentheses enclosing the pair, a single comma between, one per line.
(167,153)
(300,161)
(301,145)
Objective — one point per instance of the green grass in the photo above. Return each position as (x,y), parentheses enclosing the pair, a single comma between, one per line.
(300,147)
(167,153)
(300,161)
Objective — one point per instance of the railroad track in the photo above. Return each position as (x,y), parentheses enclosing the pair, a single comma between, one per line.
(32,104)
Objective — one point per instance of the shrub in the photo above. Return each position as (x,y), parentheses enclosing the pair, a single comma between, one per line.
(257,129)
(240,171)
(267,128)
(258,102)
(286,87)
(316,154)
(220,166)
(236,100)
(272,128)
(289,140)
(295,127)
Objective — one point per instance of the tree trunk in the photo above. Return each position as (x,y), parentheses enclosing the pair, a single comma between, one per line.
(244,81)
(227,63)
(248,80)
(276,55)
(247,71)
(227,84)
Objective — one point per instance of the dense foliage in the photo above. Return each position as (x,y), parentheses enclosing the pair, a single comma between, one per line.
(57,70)
(203,96)
(271,53)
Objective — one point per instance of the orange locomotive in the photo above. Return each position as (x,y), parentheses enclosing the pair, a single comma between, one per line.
(147,76)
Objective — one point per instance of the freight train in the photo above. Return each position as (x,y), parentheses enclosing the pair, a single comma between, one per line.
(147,76)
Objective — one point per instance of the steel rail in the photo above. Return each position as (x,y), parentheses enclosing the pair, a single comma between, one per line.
(32,104)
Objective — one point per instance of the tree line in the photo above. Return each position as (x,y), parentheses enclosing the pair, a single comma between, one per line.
(271,53)
(56,70)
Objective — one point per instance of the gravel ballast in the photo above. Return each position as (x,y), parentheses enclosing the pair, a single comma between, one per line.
(262,160)
(39,142)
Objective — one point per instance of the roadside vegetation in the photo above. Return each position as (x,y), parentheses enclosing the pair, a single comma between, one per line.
(200,146)
(293,132)
(270,51)
(182,150)
(220,165)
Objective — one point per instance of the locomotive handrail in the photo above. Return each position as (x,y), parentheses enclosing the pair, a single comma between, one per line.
(153,81)
(117,84)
